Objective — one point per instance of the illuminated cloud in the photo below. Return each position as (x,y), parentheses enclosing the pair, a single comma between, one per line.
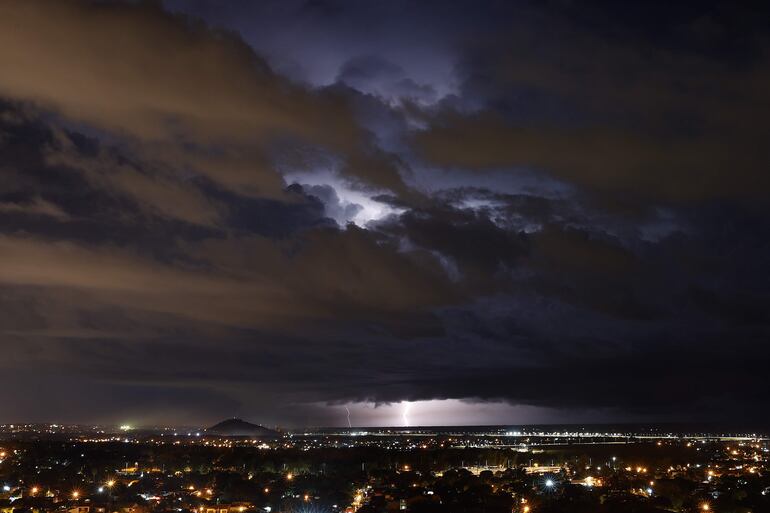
(184,95)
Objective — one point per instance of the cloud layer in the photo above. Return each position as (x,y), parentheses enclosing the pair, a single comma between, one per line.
(560,216)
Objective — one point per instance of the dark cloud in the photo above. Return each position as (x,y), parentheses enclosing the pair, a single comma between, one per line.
(215,106)
(373,74)
(610,111)
(475,249)
(556,211)
(340,211)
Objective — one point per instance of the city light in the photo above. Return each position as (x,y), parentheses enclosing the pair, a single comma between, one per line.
(551,474)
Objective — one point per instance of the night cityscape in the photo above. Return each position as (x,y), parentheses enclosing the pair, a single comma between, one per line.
(98,469)
(373,256)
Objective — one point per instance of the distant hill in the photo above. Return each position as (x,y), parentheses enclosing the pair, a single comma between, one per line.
(238,427)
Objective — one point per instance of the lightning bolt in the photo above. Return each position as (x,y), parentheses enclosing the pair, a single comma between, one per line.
(405,414)
(348,410)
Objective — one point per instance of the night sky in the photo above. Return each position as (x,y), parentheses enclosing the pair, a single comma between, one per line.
(416,212)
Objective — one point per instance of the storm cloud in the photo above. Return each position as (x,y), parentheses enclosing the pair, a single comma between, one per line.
(526,216)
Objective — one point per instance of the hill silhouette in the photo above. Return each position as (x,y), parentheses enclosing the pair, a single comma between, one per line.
(239,427)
